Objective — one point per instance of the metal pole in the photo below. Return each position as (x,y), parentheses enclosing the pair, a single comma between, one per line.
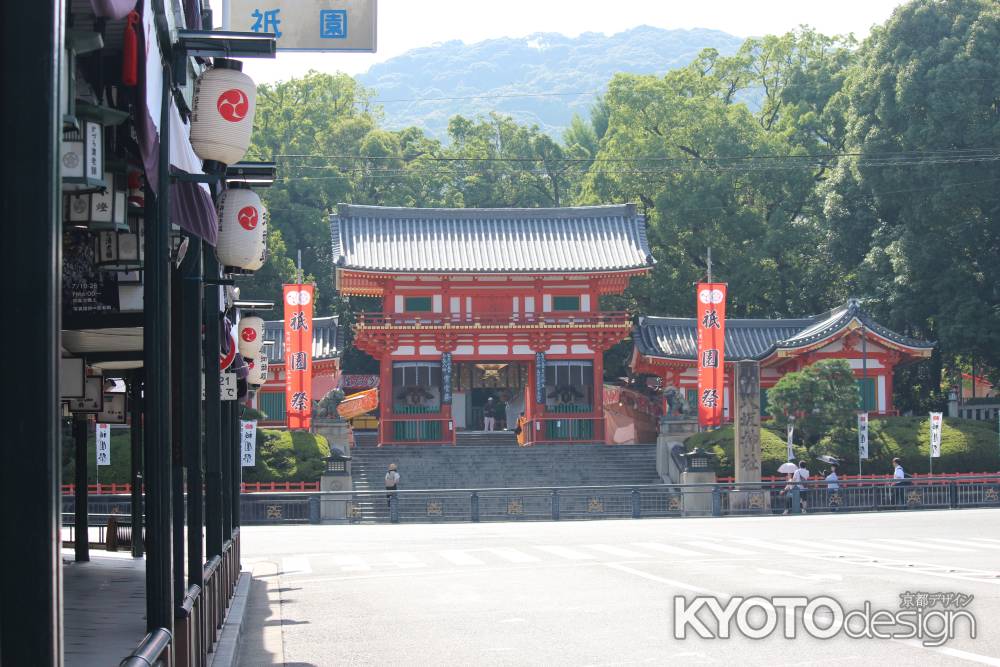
(237,465)
(135,435)
(31,575)
(213,410)
(81,529)
(191,420)
(864,385)
(226,14)
(227,470)
(177,507)
(156,361)
(710,264)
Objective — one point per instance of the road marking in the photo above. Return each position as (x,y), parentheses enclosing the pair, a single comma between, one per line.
(952,652)
(513,555)
(767,546)
(807,577)
(722,548)
(866,546)
(295,565)
(922,545)
(350,562)
(404,559)
(664,580)
(616,551)
(962,543)
(460,557)
(668,549)
(986,539)
(565,552)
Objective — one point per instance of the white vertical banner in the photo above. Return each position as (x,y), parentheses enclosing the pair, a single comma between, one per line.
(863,435)
(791,433)
(103,439)
(248,443)
(936,420)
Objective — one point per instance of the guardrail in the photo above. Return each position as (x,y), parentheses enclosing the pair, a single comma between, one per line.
(626,501)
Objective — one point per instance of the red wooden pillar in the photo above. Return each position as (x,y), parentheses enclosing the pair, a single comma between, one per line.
(385,395)
(598,398)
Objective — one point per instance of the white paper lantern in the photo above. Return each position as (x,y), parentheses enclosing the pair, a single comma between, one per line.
(225,100)
(251,336)
(258,369)
(242,229)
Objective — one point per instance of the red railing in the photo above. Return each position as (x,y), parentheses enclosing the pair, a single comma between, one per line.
(960,477)
(246,487)
(99,489)
(436,320)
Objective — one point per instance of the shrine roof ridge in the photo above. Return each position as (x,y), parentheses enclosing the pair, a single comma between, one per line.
(327,342)
(493,240)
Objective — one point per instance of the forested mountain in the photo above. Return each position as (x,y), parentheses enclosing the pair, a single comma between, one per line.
(536,80)
(866,170)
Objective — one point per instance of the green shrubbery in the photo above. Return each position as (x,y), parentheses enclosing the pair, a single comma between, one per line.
(281,456)
(966,446)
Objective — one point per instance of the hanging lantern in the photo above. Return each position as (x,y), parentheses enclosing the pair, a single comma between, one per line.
(251,336)
(119,250)
(225,100)
(226,358)
(258,369)
(242,229)
(97,210)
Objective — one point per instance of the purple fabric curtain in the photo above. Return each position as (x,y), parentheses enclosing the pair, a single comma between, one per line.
(113,9)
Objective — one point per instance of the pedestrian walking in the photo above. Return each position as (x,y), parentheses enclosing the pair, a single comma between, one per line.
(391,482)
(833,488)
(799,478)
(489,415)
(900,480)
(519,431)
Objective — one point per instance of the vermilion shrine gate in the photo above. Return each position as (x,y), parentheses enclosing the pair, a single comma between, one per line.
(489,303)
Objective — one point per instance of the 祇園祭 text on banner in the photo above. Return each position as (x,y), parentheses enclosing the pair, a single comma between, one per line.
(711,300)
(298,300)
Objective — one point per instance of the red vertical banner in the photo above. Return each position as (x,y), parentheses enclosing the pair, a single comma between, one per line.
(298,301)
(711,352)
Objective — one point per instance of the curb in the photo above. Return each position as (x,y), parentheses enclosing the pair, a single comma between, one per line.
(227,649)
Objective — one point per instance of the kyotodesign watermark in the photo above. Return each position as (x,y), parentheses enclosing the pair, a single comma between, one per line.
(932,618)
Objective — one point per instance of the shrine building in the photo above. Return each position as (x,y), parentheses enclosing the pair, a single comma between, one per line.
(666,347)
(481,304)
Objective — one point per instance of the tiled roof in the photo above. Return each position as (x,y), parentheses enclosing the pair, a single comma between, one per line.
(490,240)
(326,343)
(676,337)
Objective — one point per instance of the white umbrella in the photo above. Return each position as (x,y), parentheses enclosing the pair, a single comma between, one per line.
(787,467)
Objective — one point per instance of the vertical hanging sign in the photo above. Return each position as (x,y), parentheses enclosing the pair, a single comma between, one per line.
(298,301)
(248,443)
(936,418)
(539,377)
(446,378)
(791,432)
(863,435)
(103,441)
(711,352)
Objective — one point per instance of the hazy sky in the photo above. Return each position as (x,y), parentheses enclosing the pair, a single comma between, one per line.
(408,24)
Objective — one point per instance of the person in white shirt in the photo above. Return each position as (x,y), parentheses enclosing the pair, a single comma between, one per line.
(799,478)
(833,488)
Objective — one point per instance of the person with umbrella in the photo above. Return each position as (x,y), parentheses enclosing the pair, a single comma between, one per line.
(787,469)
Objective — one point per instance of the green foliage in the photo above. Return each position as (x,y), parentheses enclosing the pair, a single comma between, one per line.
(821,397)
(119,472)
(720,442)
(288,456)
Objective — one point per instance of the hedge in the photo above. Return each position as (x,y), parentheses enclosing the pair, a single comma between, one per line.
(296,456)
(966,446)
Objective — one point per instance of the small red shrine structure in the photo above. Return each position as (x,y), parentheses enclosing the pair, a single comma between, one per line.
(666,347)
(481,304)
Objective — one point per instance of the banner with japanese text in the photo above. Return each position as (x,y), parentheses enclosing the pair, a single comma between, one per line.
(936,419)
(103,444)
(863,435)
(248,443)
(711,352)
(298,300)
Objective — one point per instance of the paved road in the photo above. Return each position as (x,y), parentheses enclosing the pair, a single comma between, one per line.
(602,592)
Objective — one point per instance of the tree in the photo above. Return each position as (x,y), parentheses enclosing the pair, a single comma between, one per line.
(821,397)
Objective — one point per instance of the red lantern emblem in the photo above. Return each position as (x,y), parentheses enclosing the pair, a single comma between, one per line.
(233,105)
(249,335)
(250,364)
(247,218)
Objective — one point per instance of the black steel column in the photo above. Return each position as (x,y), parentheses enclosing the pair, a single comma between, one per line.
(135,440)
(81,530)
(191,422)
(213,410)
(156,361)
(31,46)
(227,469)
(237,464)
(177,508)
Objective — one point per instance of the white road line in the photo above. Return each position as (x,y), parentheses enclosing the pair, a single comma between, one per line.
(668,549)
(460,557)
(664,580)
(986,539)
(962,543)
(350,562)
(767,546)
(864,546)
(616,551)
(513,555)
(722,548)
(404,559)
(295,565)
(564,552)
(922,545)
(952,652)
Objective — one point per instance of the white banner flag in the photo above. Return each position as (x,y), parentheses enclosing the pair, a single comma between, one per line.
(103,444)
(863,435)
(936,420)
(791,432)
(248,443)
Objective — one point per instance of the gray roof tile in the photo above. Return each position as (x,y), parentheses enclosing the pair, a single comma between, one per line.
(326,341)
(494,240)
